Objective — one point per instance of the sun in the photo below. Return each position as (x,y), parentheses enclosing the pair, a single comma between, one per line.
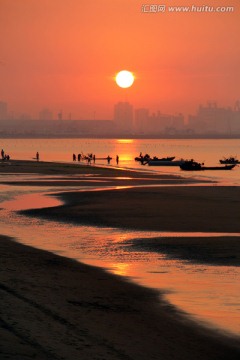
(124,79)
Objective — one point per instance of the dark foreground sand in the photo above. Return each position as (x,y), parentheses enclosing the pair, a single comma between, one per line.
(56,308)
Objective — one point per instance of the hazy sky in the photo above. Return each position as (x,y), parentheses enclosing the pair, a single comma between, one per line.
(64,54)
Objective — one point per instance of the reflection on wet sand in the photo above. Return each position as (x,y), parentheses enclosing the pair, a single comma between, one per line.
(208,293)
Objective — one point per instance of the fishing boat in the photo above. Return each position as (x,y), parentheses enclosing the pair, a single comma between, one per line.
(192,165)
(169,158)
(230,160)
(142,158)
(146,158)
(165,162)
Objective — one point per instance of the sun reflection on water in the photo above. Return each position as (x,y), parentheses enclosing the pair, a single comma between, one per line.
(121,269)
(125,141)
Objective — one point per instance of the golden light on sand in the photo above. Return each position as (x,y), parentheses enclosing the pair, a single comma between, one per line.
(124,79)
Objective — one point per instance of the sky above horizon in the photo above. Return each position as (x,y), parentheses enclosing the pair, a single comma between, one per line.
(64,55)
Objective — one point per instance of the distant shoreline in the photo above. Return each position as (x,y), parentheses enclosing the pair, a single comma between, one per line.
(121,136)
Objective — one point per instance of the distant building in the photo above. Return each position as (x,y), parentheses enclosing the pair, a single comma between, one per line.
(157,123)
(211,119)
(141,120)
(175,124)
(123,117)
(235,122)
(60,116)
(45,114)
(64,128)
(3,110)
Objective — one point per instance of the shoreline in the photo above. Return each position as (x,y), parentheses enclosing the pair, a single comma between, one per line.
(165,208)
(78,310)
(78,168)
(174,216)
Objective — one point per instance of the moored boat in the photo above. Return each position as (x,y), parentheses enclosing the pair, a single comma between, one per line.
(165,162)
(147,158)
(230,160)
(169,158)
(191,165)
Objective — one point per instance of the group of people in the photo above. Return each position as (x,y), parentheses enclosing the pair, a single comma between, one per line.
(4,155)
(89,158)
(92,157)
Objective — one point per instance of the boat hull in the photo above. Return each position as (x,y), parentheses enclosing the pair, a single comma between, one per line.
(147,159)
(229,162)
(165,163)
(189,168)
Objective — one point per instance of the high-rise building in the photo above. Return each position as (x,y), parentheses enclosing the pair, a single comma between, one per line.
(141,120)
(123,116)
(60,115)
(211,119)
(3,110)
(158,123)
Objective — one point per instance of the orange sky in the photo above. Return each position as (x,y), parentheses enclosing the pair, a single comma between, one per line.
(64,54)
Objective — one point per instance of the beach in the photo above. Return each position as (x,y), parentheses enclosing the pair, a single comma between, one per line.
(57,308)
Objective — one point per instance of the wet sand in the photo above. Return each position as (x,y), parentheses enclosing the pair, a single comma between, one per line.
(165,208)
(216,250)
(175,209)
(80,174)
(56,308)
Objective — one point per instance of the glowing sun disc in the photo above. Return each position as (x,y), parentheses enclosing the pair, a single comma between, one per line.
(124,79)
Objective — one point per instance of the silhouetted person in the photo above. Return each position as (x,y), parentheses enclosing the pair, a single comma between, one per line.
(2,153)
(6,157)
(94,158)
(37,156)
(117,159)
(79,157)
(74,157)
(108,159)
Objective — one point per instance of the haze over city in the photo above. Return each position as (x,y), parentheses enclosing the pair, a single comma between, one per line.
(65,56)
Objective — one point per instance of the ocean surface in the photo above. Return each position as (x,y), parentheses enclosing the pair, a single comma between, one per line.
(208,151)
(208,294)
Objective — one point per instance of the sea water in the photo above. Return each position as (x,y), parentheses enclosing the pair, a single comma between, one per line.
(208,151)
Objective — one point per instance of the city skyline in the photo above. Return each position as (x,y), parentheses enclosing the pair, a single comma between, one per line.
(67,55)
(208,119)
(47,113)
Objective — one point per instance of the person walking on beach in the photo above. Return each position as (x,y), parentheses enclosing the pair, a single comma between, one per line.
(37,156)
(2,154)
(108,159)
(117,159)
(74,157)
